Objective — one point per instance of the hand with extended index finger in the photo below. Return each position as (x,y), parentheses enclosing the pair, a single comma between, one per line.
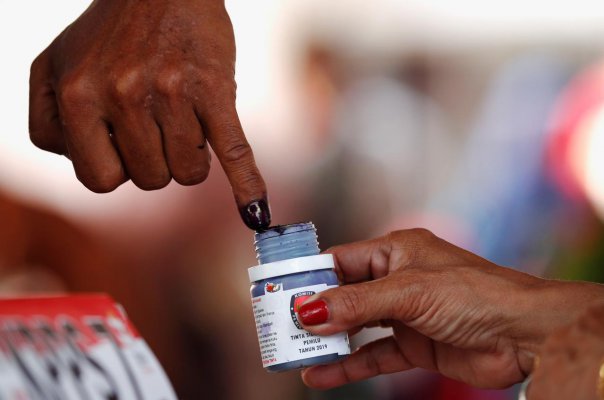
(133,89)
(451,311)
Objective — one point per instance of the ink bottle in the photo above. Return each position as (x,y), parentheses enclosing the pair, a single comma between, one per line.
(290,270)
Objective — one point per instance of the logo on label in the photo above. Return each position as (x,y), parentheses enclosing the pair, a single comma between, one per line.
(295,303)
(270,287)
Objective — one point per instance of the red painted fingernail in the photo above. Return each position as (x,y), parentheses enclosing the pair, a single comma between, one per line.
(314,313)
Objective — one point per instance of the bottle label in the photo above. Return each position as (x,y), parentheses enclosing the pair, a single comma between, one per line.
(281,336)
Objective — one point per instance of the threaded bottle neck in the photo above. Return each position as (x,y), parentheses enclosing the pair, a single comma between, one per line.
(284,242)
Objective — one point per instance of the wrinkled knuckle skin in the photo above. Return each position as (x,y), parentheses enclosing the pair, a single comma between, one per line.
(407,248)
(128,87)
(236,151)
(211,81)
(170,83)
(411,298)
(353,305)
(206,81)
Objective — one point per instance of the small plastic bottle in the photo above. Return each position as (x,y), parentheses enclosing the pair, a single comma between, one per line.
(290,270)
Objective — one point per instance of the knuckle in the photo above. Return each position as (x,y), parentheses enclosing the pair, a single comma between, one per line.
(236,150)
(421,235)
(170,82)
(371,364)
(586,323)
(414,236)
(593,312)
(590,323)
(128,86)
(212,81)
(595,315)
(412,300)
(557,342)
(73,89)
(348,372)
(407,248)
(237,158)
(205,80)
(352,304)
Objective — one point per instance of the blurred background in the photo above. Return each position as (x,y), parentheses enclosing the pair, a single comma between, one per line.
(482,121)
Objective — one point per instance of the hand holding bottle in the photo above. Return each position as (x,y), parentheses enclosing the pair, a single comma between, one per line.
(451,311)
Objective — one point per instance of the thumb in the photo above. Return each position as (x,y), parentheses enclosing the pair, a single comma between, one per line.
(225,135)
(343,308)
(45,129)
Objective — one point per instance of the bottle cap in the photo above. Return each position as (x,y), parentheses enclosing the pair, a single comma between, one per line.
(291,266)
(284,242)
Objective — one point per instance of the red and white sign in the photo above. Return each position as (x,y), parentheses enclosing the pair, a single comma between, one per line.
(75,347)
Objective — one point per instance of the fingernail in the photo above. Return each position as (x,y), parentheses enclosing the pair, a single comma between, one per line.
(256,215)
(314,313)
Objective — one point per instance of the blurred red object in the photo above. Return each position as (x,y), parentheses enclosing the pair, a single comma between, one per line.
(582,98)
(73,347)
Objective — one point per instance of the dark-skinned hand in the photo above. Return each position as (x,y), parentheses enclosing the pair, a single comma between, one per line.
(134,89)
(451,311)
